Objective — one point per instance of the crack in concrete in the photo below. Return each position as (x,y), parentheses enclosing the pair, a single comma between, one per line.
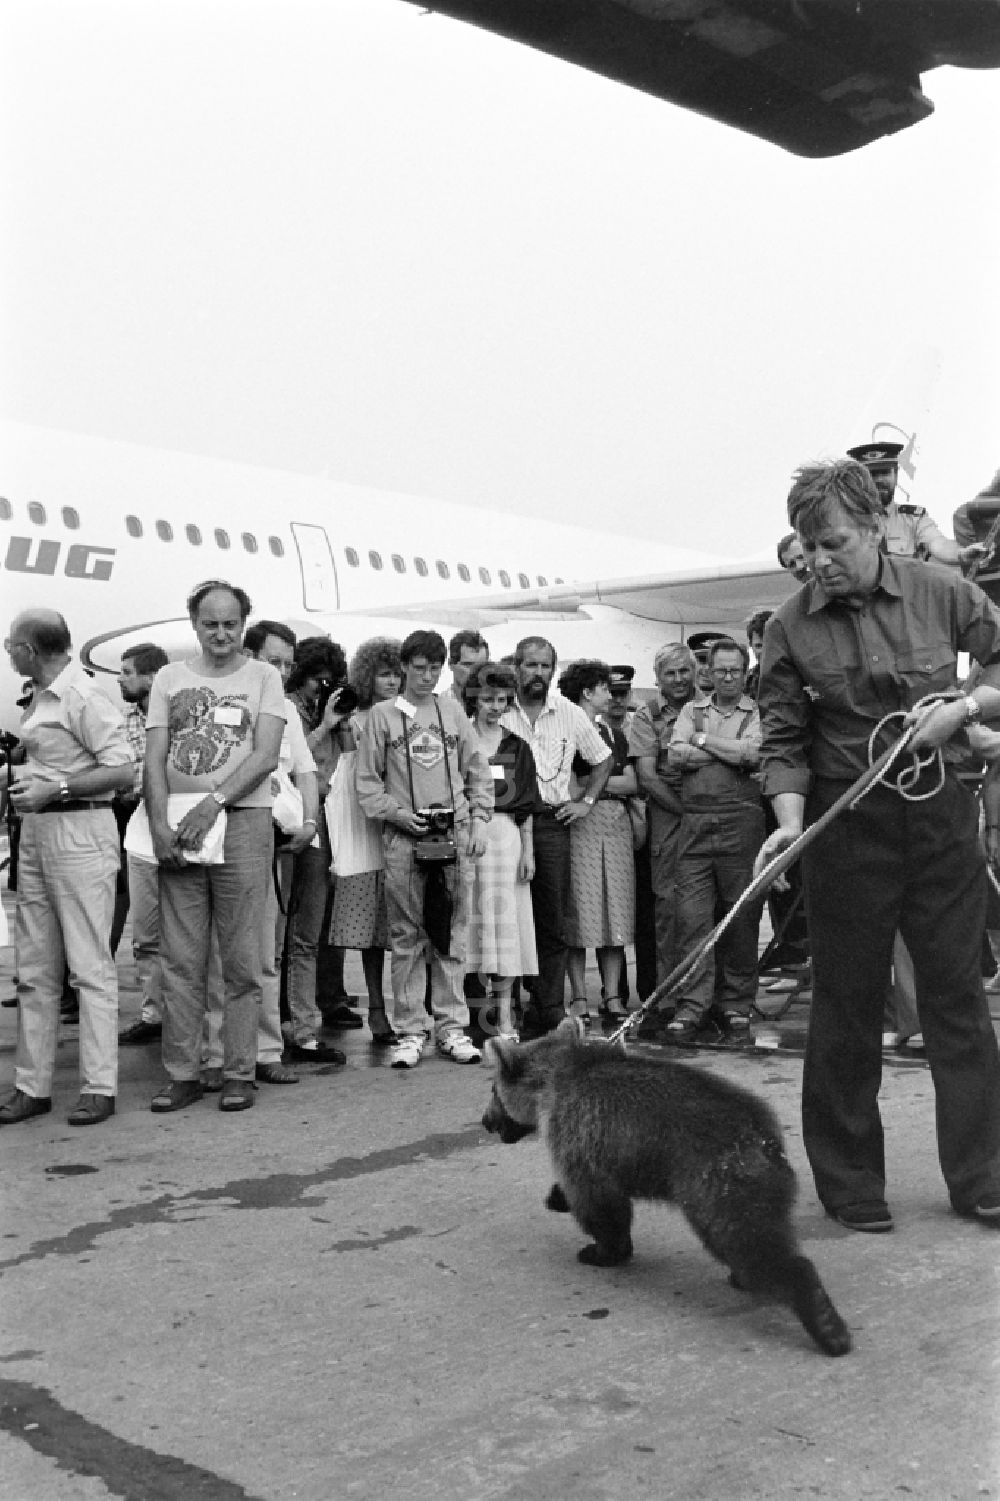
(80,1447)
(276,1191)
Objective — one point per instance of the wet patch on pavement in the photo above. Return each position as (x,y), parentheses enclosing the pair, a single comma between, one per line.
(275,1191)
(373,1242)
(80,1447)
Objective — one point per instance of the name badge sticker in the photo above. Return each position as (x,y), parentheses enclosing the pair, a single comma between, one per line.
(499,773)
(229,715)
(404,706)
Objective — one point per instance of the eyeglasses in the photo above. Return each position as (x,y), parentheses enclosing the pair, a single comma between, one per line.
(727,672)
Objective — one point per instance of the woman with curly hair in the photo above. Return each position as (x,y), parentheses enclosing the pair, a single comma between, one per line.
(602,871)
(359,916)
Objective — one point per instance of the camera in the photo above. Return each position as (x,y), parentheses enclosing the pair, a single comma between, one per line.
(345,698)
(437,846)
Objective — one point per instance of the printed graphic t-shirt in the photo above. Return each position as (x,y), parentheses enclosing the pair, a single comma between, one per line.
(211,724)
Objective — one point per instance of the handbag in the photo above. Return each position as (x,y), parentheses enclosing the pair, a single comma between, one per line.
(635,807)
(287,810)
(355,839)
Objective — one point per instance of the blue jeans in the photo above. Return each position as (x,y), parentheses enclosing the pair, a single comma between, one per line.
(231,896)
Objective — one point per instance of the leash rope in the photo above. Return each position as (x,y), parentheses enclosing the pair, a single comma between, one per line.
(877,773)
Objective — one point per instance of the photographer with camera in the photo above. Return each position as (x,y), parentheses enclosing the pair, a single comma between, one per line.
(318,689)
(422,772)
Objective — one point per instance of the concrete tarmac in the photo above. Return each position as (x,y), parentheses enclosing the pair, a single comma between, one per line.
(352,1291)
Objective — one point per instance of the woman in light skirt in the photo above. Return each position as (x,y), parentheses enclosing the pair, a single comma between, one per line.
(501,935)
(602,871)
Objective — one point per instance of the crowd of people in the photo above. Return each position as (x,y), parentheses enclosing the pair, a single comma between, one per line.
(265,807)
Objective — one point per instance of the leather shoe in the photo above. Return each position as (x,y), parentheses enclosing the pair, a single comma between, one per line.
(138,1033)
(91,1109)
(23,1107)
(320,1052)
(872,1216)
(275,1073)
(341,1017)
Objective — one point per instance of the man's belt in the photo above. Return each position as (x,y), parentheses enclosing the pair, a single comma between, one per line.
(71,805)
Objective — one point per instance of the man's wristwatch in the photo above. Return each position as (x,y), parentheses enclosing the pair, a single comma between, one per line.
(220,798)
(63,790)
(590,801)
(699,741)
(973,710)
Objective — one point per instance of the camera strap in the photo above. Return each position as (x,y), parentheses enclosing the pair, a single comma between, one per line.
(444,748)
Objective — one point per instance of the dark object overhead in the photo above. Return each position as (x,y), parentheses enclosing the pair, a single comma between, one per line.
(818,77)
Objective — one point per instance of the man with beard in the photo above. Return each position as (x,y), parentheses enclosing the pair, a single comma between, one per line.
(137,882)
(557,731)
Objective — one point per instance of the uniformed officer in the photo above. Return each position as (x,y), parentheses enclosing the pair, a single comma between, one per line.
(909,531)
(873,634)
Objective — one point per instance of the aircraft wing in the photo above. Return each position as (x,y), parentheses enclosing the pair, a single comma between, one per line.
(817,77)
(722,595)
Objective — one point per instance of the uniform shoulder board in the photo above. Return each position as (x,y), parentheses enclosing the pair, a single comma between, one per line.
(912,510)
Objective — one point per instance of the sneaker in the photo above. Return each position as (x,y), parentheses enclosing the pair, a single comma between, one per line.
(407,1051)
(138,1033)
(457,1047)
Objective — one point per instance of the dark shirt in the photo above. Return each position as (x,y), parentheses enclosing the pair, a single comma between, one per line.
(516,792)
(616,743)
(832,670)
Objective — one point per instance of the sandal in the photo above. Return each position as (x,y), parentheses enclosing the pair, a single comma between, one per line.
(579,1010)
(237,1094)
(378,1022)
(177,1094)
(682,1029)
(614,1007)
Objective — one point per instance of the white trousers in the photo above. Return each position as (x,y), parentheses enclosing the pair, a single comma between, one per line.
(67,869)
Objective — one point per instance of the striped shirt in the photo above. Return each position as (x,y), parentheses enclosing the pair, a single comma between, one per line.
(561,730)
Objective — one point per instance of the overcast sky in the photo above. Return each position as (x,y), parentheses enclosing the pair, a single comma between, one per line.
(339,236)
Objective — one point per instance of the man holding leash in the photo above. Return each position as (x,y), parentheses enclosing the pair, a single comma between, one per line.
(872,635)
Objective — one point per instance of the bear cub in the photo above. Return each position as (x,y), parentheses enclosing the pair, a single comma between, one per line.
(621,1128)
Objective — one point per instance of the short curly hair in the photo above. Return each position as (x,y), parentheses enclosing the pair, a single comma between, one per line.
(317,656)
(842,482)
(377,654)
(498,676)
(578,676)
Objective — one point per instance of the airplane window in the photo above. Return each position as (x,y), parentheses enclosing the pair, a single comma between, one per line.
(36,512)
(420,566)
(443,569)
(164,531)
(6,509)
(524,581)
(398,563)
(351,556)
(133,526)
(71,518)
(375,559)
(221,538)
(543,581)
(249,542)
(193,534)
(558,580)
(464,573)
(505,578)
(277,546)
(484,574)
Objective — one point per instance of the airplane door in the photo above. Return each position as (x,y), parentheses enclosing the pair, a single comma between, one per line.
(320,588)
